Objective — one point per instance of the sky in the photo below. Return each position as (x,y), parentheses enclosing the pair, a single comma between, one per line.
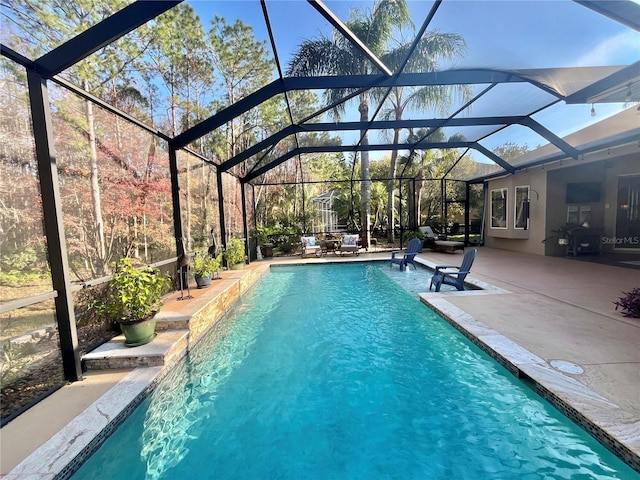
(500,34)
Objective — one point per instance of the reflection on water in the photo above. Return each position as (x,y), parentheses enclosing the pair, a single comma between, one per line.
(184,402)
(334,372)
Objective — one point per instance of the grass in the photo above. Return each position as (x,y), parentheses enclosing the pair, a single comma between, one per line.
(27,319)
(24,320)
(473,238)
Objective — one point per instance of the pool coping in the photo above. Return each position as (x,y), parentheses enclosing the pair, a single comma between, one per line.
(613,427)
(616,429)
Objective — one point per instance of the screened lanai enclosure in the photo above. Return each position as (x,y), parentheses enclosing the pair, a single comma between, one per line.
(151,129)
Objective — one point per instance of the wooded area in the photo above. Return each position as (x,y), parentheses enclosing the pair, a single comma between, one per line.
(169,75)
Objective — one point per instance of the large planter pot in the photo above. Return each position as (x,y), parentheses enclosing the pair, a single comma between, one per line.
(237,266)
(203,281)
(267,251)
(139,333)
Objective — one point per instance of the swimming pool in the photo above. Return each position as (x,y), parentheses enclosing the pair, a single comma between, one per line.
(335,372)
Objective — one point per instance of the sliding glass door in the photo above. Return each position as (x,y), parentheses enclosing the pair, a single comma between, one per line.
(628,212)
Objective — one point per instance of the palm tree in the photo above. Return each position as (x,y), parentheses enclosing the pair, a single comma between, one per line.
(426,165)
(432,47)
(338,56)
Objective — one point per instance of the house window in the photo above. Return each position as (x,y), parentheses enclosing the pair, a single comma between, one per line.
(579,215)
(521,213)
(499,208)
(585,216)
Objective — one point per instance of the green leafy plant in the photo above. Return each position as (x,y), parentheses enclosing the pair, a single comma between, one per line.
(630,303)
(14,359)
(133,294)
(563,231)
(204,265)
(409,234)
(234,253)
(262,235)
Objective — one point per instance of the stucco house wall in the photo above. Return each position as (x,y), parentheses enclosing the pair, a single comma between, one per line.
(548,186)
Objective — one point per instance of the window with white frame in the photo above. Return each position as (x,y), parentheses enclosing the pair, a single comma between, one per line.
(499,208)
(521,208)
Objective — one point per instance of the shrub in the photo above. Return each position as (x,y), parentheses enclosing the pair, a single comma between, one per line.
(20,260)
(263,234)
(630,303)
(14,360)
(133,294)
(234,253)
(409,234)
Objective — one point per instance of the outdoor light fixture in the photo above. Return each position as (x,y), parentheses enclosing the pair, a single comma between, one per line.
(593,110)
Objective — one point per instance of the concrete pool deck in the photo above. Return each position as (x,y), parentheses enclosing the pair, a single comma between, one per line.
(545,309)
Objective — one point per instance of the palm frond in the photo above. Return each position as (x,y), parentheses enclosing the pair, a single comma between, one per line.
(314,57)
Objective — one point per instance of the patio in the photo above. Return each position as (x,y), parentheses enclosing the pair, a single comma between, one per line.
(516,126)
(555,308)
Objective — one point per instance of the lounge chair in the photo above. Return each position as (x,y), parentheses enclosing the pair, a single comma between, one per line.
(415,244)
(432,241)
(350,244)
(309,246)
(429,236)
(452,274)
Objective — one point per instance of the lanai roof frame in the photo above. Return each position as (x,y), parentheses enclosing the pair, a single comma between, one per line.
(610,88)
(606,84)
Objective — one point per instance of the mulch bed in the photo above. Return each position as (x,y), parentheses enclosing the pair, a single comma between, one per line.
(43,372)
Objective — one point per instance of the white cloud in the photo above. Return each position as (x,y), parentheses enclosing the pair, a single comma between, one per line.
(621,49)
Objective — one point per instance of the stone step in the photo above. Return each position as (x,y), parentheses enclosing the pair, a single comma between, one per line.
(167,348)
(180,323)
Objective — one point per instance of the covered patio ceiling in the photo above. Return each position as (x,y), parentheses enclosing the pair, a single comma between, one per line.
(514,95)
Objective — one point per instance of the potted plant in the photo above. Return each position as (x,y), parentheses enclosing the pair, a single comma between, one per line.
(562,234)
(234,254)
(261,234)
(132,299)
(204,266)
(630,303)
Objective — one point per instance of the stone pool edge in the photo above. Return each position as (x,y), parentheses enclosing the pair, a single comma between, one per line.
(63,454)
(615,428)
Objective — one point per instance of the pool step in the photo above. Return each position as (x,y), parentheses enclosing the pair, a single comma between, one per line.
(168,347)
(181,322)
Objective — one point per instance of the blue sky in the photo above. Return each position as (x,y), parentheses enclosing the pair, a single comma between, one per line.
(500,34)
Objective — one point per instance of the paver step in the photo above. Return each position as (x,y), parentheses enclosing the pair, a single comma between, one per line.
(165,349)
(180,323)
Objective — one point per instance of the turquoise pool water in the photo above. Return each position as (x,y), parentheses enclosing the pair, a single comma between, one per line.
(336,372)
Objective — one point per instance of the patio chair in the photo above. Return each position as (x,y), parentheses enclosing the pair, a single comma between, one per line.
(415,244)
(429,236)
(432,241)
(309,246)
(350,244)
(452,274)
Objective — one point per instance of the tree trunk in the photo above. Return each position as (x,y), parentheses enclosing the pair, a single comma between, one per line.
(365,187)
(95,188)
(419,188)
(391,199)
